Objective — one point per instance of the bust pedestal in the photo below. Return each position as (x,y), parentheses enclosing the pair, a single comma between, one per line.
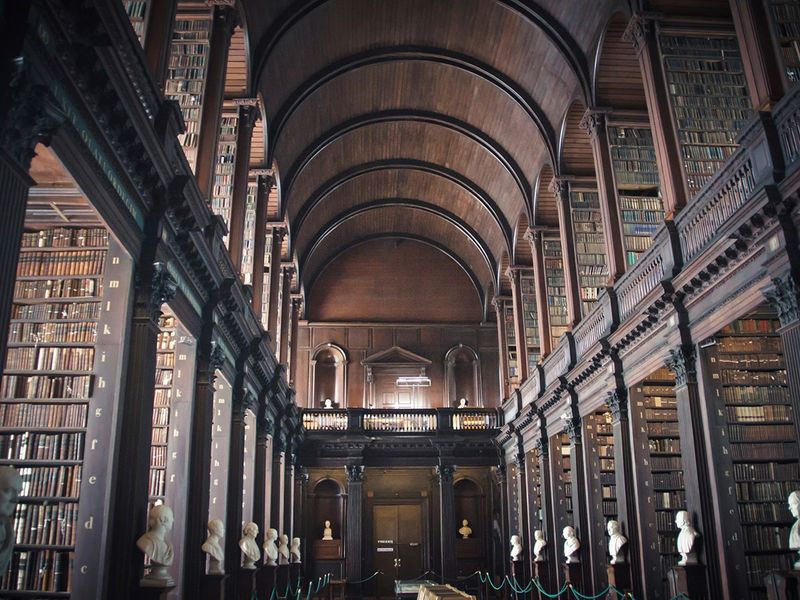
(689,580)
(265,581)
(619,575)
(213,586)
(245,583)
(295,572)
(783,585)
(573,573)
(281,579)
(541,572)
(151,591)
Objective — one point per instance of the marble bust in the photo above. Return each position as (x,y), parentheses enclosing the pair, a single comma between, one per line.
(616,542)
(270,548)
(155,544)
(538,545)
(294,550)
(216,555)
(283,550)
(571,545)
(686,538)
(465,531)
(794,532)
(10,486)
(327,532)
(516,548)
(251,553)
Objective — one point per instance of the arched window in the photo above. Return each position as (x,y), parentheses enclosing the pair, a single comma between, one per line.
(463,377)
(328,377)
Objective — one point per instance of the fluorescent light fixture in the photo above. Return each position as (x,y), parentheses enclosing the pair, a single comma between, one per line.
(418,381)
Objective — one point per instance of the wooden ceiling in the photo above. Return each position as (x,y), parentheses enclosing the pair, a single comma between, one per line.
(422,119)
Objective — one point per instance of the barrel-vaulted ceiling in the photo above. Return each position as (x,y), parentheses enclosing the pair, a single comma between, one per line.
(427,119)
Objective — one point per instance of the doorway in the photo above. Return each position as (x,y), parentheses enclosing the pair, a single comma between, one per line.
(397,544)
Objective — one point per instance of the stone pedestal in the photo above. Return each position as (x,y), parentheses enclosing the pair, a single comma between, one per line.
(619,576)
(783,585)
(689,580)
(541,572)
(245,583)
(265,581)
(149,591)
(213,587)
(295,573)
(573,573)
(281,579)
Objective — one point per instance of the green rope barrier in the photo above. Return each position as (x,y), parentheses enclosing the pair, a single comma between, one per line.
(375,574)
(542,590)
(272,595)
(577,594)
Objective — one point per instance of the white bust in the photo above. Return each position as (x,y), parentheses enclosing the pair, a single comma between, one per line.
(294,551)
(465,530)
(462,403)
(283,550)
(571,545)
(616,542)
(270,548)
(216,555)
(516,547)
(686,538)
(10,486)
(794,532)
(538,545)
(251,553)
(155,544)
(327,532)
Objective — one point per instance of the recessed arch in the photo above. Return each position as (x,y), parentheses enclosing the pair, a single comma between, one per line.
(545,211)
(328,376)
(522,250)
(575,149)
(504,285)
(617,75)
(462,367)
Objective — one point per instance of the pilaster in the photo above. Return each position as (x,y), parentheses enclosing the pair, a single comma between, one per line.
(534,237)
(519,324)
(248,115)
(560,188)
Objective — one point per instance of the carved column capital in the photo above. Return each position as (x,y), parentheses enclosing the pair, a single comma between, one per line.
(592,121)
(278,231)
(248,115)
(618,404)
(513,275)
(355,473)
(225,12)
(216,360)
(636,31)
(444,473)
(783,295)
(542,447)
(560,187)
(297,304)
(681,361)
(163,288)
(533,236)
(572,426)
(287,270)
(501,474)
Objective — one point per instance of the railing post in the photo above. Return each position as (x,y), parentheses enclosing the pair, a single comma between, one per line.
(355,424)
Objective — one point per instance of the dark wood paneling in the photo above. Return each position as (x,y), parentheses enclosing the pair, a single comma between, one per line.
(576,150)
(618,81)
(545,211)
(522,248)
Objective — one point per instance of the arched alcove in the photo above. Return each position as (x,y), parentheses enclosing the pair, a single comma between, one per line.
(463,376)
(327,502)
(470,505)
(328,374)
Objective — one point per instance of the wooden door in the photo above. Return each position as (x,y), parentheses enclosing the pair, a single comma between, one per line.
(396,544)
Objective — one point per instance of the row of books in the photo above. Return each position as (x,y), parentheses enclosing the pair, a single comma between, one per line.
(46,524)
(158,456)
(767,412)
(665,463)
(163,376)
(65,237)
(161,416)
(635,153)
(750,344)
(41,446)
(772,451)
(157,481)
(64,481)
(162,396)
(640,204)
(639,239)
(58,288)
(751,378)
(761,491)
(159,435)
(53,333)
(765,538)
(39,570)
(754,394)
(50,358)
(767,326)
(84,311)
(769,471)
(46,386)
(763,511)
(183,61)
(43,415)
(760,565)
(761,433)
(672,500)
(165,360)
(61,262)
(736,100)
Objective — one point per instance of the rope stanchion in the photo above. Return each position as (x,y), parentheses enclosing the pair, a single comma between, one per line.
(375,574)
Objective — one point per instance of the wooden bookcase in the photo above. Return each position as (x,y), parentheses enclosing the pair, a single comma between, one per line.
(785,16)
(749,392)
(220,449)
(137,12)
(222,194)
(637,184)
(249,234)
(45,398)
(600,470)
(162,401)
(590,248)
(709,98)
(562,483)
(267,269)
(535,506)
(527,287)
(186,75)
(511,342)
(556,290)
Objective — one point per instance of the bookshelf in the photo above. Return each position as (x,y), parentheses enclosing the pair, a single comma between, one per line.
(249,233)
(785,16)
(511,341)
(562,482)
(590,248)
(186,75)
(220,449)
(137,12)
(527,288)
(534,480)
(222,194)
(45,396)
(751,391)
(601,435)
(556,290)
(636,180)
(162,400)
(265,289)
(709,100)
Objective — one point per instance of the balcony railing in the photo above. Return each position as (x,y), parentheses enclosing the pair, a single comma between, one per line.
(414,421)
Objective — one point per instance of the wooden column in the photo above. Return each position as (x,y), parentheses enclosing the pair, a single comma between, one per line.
(695,458)
(264,184)
(524,573)
(297,308)
(278,481)
(502,348)
(534,237)
(261,486)
(286,313)
(595,125)
(763,66)
(300,490)
(233,519)
(352,533)
(580,520)
(224,21)
(158,39)
(560,187)
(447,520)
(288,492)
(156,286)
(519,324)
(278,232)
(642,34)
(248,115)
(551,550)
(209,358)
